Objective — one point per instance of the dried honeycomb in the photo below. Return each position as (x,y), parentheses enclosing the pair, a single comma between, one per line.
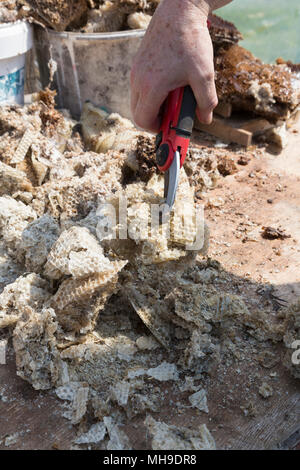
(76,253)
(165,437)
(14,218)
(37,356)
(111,322)
(10,270)
(103,131)
(37,240)
(13,180)
(28,138)
(291,340)
(73,290)
(27,291)
(79,301)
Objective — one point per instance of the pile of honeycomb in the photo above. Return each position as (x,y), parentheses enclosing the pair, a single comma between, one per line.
(105,319)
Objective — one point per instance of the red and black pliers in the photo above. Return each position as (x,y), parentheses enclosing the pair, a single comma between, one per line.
(173,140)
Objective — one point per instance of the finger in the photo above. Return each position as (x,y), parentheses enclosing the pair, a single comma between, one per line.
(204,118)
(146,114)
(206,96)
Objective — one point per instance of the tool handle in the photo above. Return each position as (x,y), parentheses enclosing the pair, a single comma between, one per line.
(176,128)
(187,113)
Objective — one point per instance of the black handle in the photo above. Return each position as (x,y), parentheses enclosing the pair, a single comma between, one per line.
(187,113)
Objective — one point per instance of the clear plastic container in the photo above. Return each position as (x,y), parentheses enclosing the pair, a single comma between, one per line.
(90,66)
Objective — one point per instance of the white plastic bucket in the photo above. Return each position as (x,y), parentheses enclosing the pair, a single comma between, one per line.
(90,66)
(15,40)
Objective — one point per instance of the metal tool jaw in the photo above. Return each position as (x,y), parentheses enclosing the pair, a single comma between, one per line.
(171,180)
(173,140)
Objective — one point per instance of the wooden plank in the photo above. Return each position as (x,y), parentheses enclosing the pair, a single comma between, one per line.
(275,419)
(223,109)
(278,424)
(257,126)
(36,416)
(221,129)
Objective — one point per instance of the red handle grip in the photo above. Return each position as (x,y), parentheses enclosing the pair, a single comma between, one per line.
(177,126)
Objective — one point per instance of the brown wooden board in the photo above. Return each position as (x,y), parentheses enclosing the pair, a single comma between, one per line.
(256,126)
(222,129)
(36,416)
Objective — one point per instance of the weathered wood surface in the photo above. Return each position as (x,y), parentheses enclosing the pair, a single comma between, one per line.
(36,416)
(222,129)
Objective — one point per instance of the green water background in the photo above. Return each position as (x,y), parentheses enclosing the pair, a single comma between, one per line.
(271,28)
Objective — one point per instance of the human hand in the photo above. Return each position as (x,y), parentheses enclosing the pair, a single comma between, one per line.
(176,51)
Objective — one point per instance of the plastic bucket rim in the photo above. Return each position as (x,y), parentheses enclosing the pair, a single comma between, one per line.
(104,36)
(16,38)
(12,24)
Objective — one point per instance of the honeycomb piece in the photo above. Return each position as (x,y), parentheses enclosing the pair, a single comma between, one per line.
(118,439)
(164,372)
(78,253)
(79,301)
(268,90)
(199,400)
(103,131)
(95,434)
(79,404)
(138,20)
(40,169)
(37,240)
(14,218)
(149,313)
(8,12)
(27,291)
(165,437)
(120,392)
(16,120)
(68,391)
(183,227)
(201,352)
(37,357)
(126,348)
(199,306)
(74,290)
(66,197)
(265,390)
(12,180)
(28,138)
(153,242)
(46,156)
(146,343)
(10,270)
